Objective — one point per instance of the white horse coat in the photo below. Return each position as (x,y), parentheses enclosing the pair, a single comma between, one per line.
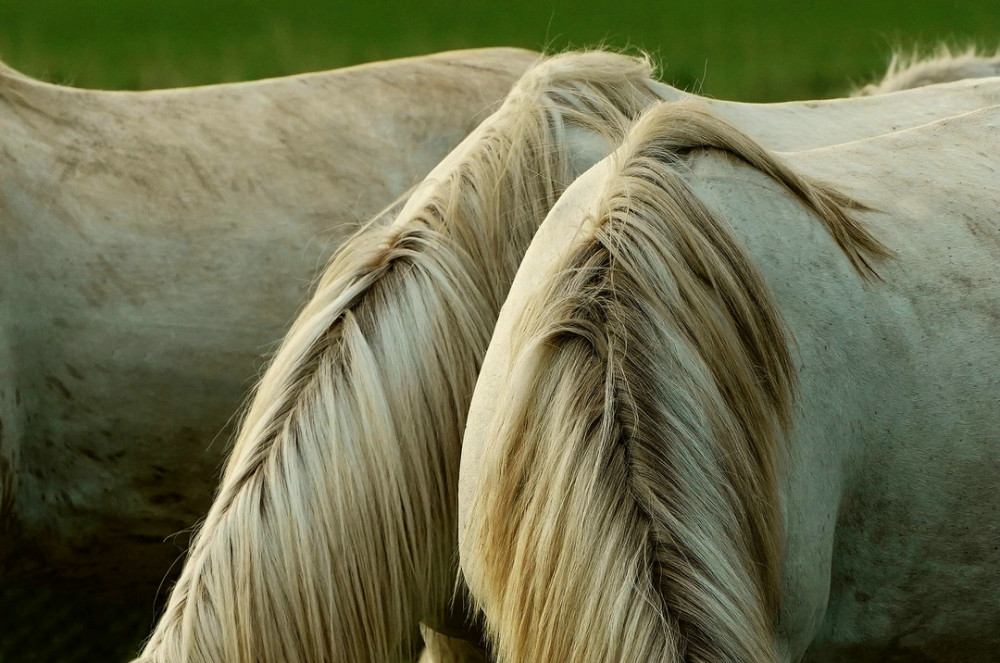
(899,441)
(888,492)
(153,246)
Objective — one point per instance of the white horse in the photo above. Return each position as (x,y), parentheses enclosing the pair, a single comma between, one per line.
(153,245)
(393,338)
(172,234)
(704,431)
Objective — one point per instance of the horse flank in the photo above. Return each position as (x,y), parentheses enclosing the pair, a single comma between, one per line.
(626,502)
(333,531)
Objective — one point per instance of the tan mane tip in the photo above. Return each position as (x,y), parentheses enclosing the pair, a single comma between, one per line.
(945,64)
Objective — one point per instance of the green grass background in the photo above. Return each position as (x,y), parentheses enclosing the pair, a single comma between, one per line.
(751,51)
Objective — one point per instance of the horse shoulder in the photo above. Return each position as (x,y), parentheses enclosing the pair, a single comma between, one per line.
(895,440)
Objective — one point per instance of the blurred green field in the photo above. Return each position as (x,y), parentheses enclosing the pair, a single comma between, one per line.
(725,48)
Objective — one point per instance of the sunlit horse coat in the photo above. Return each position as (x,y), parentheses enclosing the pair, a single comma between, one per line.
(704,431)
(350,448)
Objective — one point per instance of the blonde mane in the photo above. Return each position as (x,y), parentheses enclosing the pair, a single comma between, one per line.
(333,531)
(626,504)
(912,70)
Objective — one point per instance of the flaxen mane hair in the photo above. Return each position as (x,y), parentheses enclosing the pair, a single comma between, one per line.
(334,529)
(625,506)
(913,70)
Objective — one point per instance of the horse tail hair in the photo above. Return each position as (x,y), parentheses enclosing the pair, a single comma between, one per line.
(334,529)
(944,65)
(625,502)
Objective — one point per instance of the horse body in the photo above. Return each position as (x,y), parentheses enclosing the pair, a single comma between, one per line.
(155,244)
(250,184)
(890,498)
(385,324)
(888,512)
(118,382)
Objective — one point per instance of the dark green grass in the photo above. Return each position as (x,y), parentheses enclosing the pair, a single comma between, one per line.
(726,48)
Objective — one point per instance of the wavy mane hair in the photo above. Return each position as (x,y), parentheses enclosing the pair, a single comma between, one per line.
(944,65)
(626,503)
(334,528)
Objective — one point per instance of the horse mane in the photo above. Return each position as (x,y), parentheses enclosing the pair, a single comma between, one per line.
(945,64)
(334,528)
(626,502)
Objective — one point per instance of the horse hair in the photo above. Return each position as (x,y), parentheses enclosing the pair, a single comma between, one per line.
(626,504)
(943,65)
(334,529)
